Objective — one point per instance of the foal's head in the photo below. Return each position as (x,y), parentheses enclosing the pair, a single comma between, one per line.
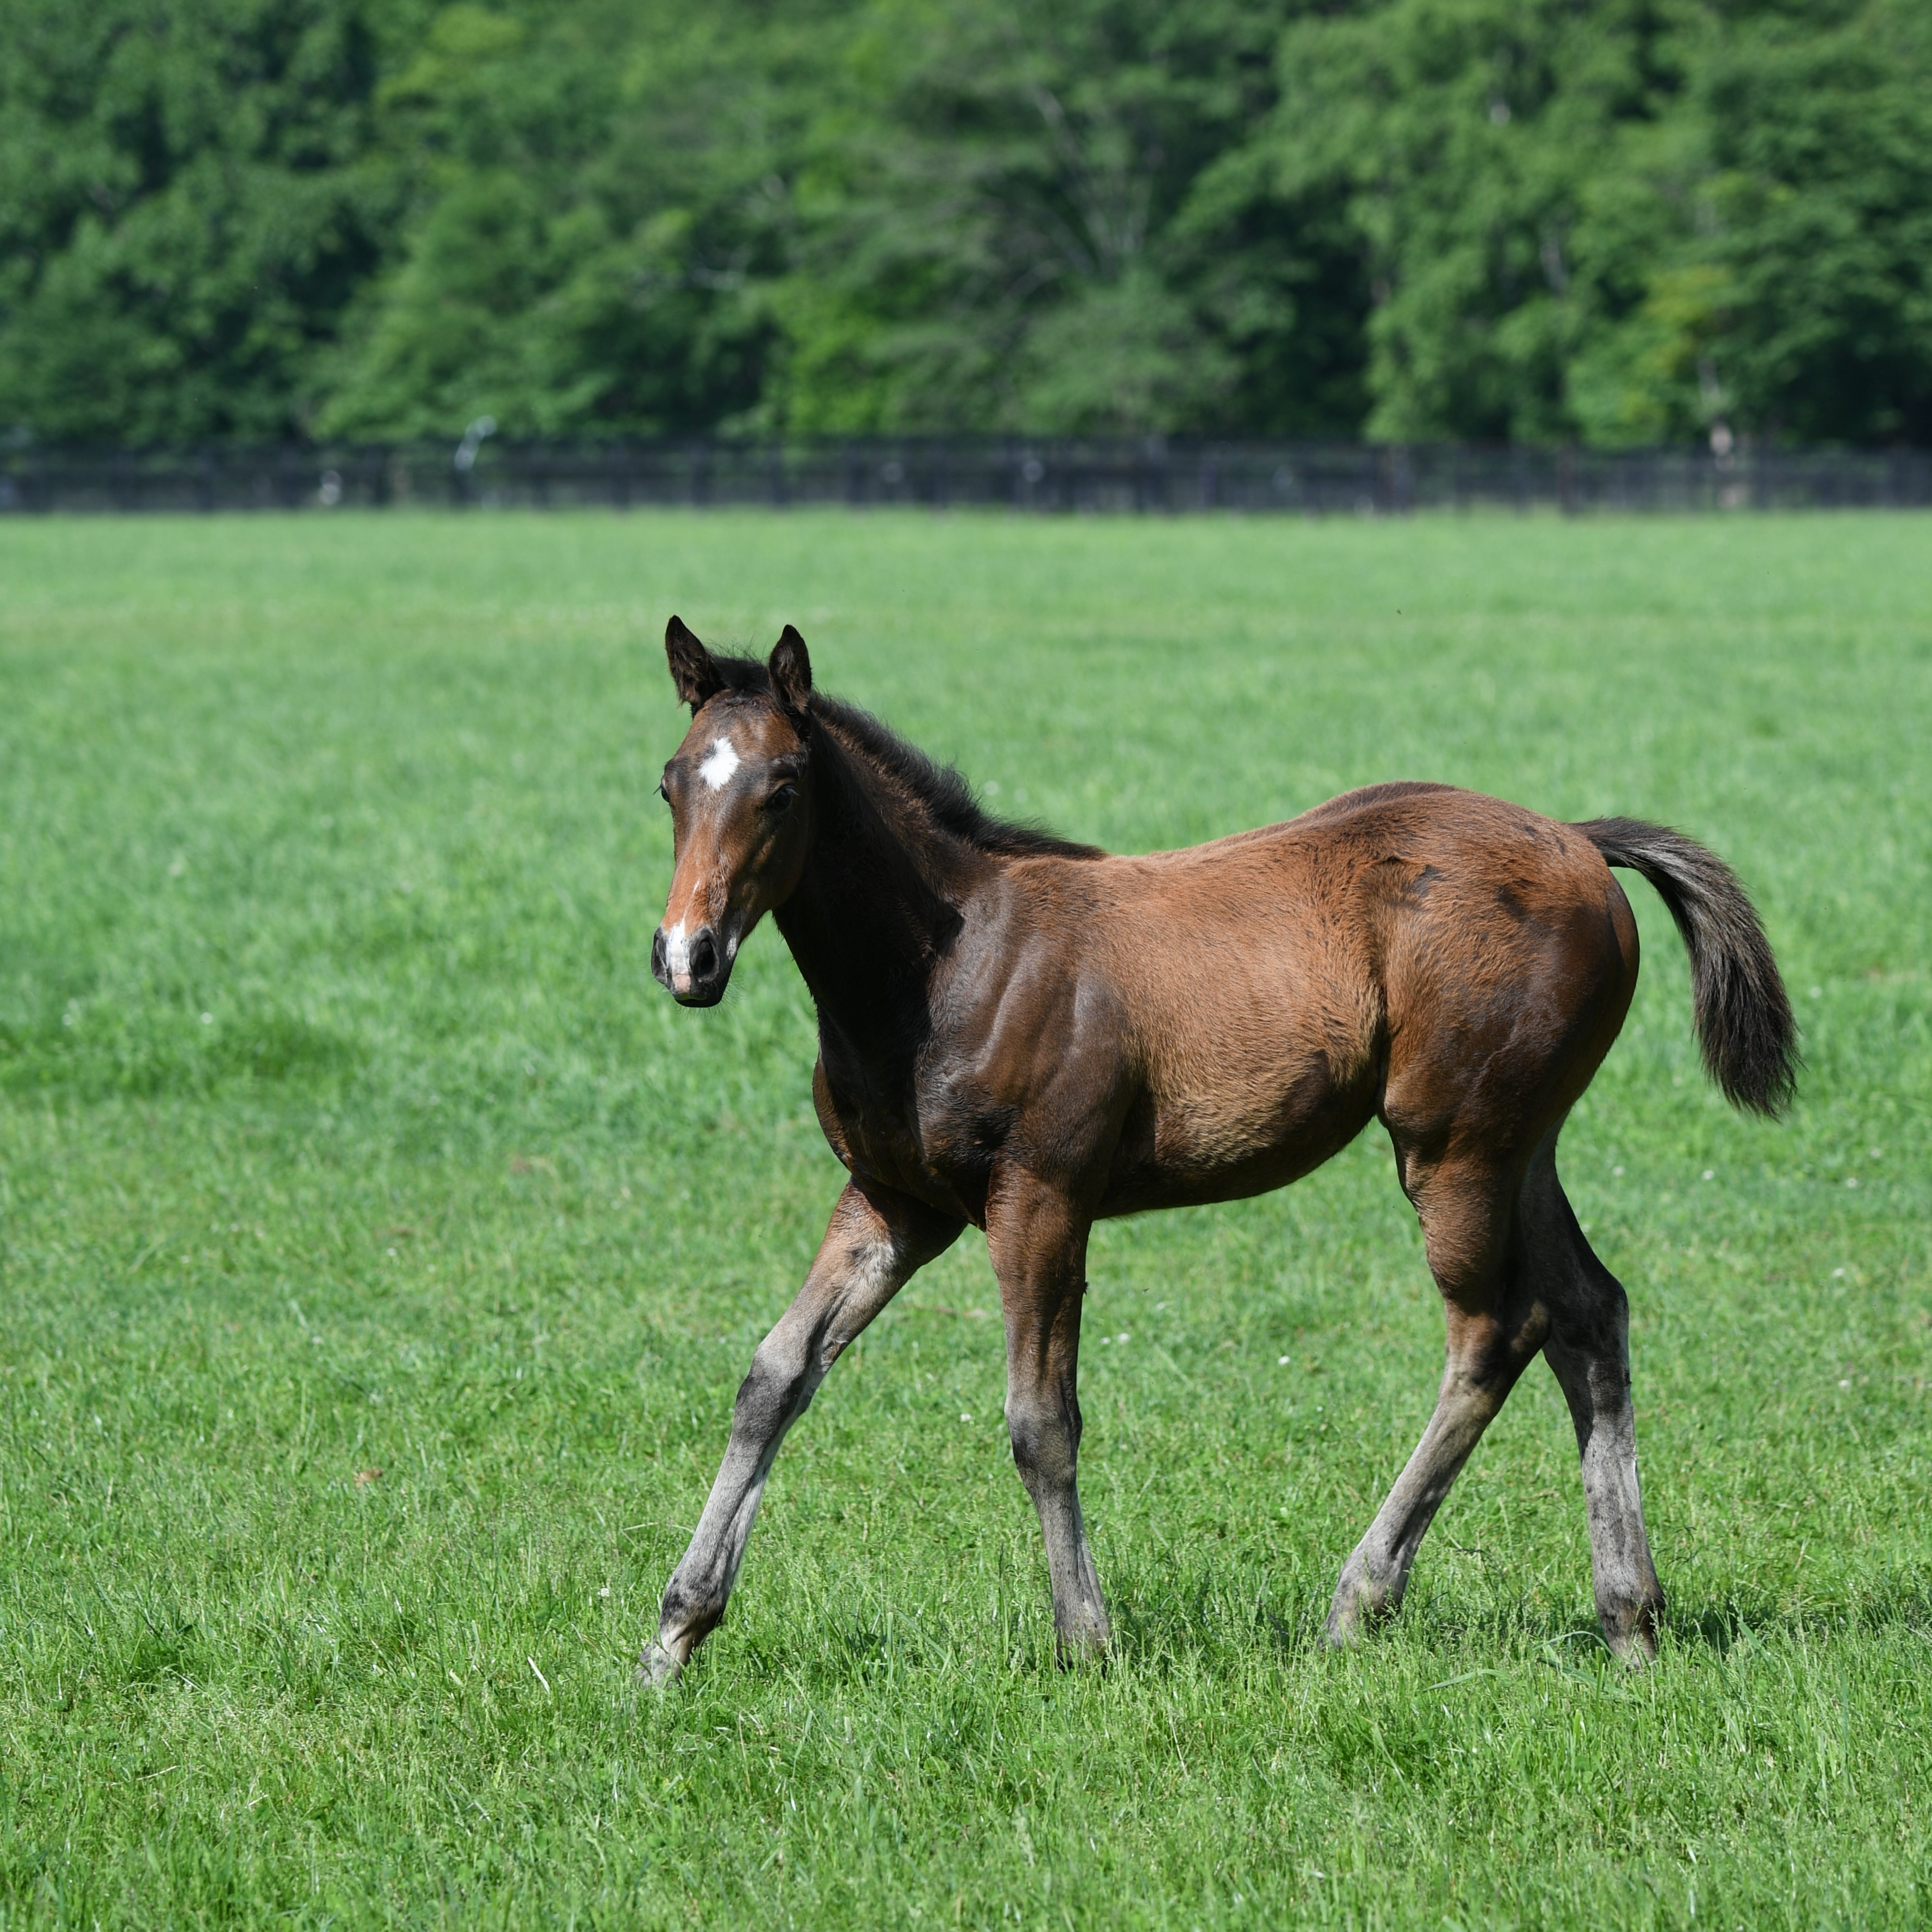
(740,811)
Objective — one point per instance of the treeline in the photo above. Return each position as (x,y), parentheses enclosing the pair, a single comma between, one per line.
(1622,221)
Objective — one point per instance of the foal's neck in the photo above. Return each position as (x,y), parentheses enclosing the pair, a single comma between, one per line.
(877,906)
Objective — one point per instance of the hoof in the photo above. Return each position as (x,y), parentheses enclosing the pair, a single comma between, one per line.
(1631,1631)
(1359,1602)
(659,1667)
(1083,1642)
(1082,1653)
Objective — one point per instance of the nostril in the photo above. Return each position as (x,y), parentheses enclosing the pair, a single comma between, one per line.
(703,956)
(657,955)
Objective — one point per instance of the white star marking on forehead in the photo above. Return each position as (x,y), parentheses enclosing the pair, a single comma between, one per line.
(716,770)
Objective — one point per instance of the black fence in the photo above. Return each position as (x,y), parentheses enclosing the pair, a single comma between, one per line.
(1166,475)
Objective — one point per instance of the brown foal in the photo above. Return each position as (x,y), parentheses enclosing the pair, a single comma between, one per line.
(1028,1034)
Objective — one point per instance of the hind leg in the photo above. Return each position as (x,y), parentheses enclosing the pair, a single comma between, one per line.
(1588,1347)
(1495,1330)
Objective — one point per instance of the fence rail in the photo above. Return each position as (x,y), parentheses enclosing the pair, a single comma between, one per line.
(1161,474)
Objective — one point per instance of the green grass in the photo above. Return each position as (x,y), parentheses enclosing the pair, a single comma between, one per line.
(342,1131)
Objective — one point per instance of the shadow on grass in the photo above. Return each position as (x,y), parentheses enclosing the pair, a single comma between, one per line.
(1721,1627)
(150,1054)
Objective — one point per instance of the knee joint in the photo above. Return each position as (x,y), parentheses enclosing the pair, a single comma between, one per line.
(779,1382)
(1045,1441)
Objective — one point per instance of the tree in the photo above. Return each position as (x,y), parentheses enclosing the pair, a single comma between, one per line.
(1014,218)
(1619,221)
(1819,234)
(599,203)
(186,208)
(1630,220)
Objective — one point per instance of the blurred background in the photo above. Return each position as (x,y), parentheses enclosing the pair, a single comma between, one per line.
(1607,223)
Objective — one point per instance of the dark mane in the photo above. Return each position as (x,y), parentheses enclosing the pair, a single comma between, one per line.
(942,789)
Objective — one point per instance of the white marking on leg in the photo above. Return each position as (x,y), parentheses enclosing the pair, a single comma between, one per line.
(716,770)
(704,1581)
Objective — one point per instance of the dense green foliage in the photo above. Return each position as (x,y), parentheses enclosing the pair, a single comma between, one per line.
(1631,219)
(191,197)
(1624,220)
(382,1250)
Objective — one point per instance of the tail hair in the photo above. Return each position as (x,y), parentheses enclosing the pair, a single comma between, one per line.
(1744,1026)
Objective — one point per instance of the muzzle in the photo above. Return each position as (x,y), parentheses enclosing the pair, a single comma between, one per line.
(694,966)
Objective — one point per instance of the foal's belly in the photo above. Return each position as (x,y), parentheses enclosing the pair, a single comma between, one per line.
(1252,1129)
(1258,1052)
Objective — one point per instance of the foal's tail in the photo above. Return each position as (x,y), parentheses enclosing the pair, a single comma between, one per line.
(1743,1018)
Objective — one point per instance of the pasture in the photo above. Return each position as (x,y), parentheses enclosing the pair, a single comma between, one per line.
(382,1250)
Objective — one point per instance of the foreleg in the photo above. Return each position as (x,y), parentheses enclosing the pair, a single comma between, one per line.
(1038,1242)
(875,1243)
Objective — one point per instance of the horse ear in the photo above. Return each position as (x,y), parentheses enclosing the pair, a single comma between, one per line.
(691,670)
(790,668)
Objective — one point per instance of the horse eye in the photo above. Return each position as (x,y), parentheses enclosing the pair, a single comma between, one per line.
(663,791)
(781,799)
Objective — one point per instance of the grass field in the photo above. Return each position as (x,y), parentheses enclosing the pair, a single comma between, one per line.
(381,1250)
